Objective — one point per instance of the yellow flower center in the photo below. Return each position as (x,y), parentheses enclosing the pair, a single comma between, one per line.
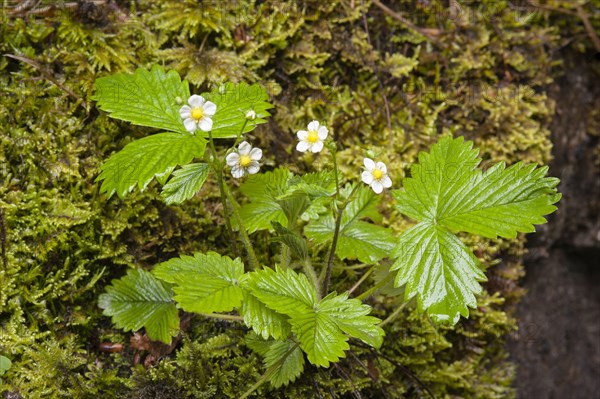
(197,113)
(245,161)
(313,137)
(377,174)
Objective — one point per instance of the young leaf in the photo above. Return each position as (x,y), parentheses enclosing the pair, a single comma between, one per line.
(204,283)
(263,320)
(233,103)
(448,193)
(357,239)
(139,300)
(141,160)
(146,98)
(292,239)
(263,190)
(186,182)
(6,364)
(285,356)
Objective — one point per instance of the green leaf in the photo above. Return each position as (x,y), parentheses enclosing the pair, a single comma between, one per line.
(321,329)
(284,291)
(287,357)
(139,300)
(5,364)
(292,239)
(284,356)
(146,98)
(186,182)
(448,193)
(263,190)
(233,102)
(204,283)
(141,160)
(360,240)
(263,320)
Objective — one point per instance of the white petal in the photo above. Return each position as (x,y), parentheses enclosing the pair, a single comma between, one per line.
(256,154)
(209,108)
(232,159)
(369,164)
(377,187)
(196,101)
(190,125)
(205,124)
(185,112)
(367,177)
(322,132)
(381,166)
(302,146)
(314,125)
(253,168)
(317,147)
(386,181)
(237,171)
(302,134)
(244,148)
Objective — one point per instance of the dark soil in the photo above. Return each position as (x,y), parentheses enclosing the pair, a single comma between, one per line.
(557,348)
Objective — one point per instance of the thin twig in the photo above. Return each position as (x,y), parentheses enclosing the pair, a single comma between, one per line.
(3,237)
(405,21)
(48,76)
(588,27)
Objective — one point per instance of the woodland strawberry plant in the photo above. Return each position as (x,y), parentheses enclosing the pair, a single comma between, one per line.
(319,219)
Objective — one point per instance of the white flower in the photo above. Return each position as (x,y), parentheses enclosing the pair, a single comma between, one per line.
(251,115)
(376,175)
(312,140)
(245,160)
(197,114)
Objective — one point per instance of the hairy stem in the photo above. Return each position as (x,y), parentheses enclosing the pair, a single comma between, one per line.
(374,288)
(252,259)
(336,234)
(361,280)
(309,270)
(218,168)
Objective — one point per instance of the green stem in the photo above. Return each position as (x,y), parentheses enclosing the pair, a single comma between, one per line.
(310,271)
(222,316)
(336,234)
(393,316)
(377,286)
(361,280)
(217,166)
(252,259)
(269,372)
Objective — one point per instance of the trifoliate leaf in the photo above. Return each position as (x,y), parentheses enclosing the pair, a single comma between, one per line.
(139,300)
(147,98)
(141,160)
(204,283)
(321,326)
(234,101)
(185,183)
(448,193)
(263,320)
(284,291)
(360,240)
(321,329)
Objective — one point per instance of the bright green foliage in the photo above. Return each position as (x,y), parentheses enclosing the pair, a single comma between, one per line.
(5,364)
(142,160)
(146,98)
(233,103)
(185,183)
(358,239)
(263,320)
(284,356)
(139,300)
(204,283)
(447,193)
(320,325)
(278,195)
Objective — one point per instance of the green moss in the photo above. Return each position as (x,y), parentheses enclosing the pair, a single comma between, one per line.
(380,84)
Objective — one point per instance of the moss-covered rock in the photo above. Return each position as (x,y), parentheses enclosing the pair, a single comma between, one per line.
(389,80)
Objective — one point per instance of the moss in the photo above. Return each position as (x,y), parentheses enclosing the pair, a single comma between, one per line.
(380,83)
